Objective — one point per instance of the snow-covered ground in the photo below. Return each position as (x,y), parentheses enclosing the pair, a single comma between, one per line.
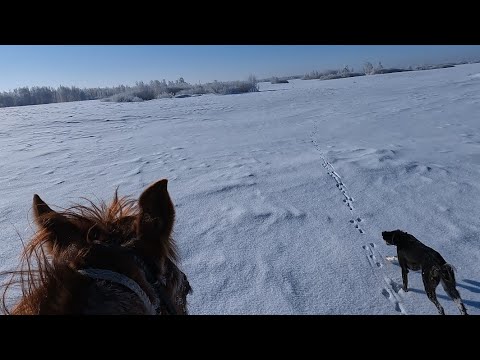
(262,226)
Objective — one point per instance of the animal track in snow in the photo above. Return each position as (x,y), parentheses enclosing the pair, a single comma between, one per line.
(372,259)
(394,285)
(340,185)
(389,296)
(391,293)
(390,290)
(357,226)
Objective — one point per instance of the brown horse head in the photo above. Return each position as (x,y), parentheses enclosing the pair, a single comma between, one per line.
(106,259)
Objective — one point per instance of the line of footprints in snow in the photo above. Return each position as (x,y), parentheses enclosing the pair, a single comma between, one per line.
(390,292)
(348,200)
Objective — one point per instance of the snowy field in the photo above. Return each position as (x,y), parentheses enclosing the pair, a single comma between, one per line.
(262,226)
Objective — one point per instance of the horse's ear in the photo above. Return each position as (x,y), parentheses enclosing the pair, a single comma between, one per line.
(40,209)
(61,230)
(155,219)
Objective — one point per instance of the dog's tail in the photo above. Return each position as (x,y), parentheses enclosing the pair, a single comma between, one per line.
(447,273)
(447,277)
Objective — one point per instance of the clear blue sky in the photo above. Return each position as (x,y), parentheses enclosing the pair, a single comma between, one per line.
(109,65)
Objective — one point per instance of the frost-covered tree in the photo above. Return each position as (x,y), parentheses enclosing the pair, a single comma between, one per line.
(368,68)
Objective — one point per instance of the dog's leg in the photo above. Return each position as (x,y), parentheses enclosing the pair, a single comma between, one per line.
(451,290)
(431,278)
(403,265)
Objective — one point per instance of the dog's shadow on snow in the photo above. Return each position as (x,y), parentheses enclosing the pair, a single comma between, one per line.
(471,303)
(474,286)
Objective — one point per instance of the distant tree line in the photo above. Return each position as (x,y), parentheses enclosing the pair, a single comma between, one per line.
(276,80)
(368,69)
(140,92)
(156,89)
(332,74)
(45,95)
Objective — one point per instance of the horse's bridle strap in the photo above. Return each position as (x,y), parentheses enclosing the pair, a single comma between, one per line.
(102,274)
